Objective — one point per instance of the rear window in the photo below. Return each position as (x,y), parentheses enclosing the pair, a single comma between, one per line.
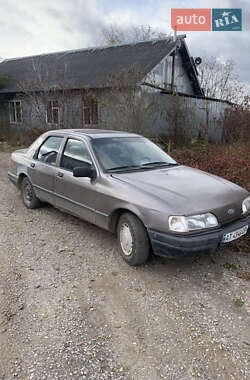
(49,150)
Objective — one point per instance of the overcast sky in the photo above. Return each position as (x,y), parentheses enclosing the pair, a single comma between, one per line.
(40,26)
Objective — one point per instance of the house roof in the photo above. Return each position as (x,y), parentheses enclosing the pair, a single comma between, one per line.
(89,68)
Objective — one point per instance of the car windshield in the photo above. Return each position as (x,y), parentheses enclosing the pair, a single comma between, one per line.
(129,153)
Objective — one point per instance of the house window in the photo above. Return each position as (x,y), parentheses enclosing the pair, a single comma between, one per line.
(90,111)
(53,112)
(15,111)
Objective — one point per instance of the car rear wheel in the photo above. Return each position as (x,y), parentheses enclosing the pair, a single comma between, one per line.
(133,240)
(29,198)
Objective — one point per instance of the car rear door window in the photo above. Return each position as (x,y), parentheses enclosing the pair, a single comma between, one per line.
(75,154)
(49,149)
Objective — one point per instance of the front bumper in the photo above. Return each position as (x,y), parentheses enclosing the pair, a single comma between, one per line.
(174,246)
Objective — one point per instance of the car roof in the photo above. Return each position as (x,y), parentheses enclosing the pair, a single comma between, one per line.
(94,133)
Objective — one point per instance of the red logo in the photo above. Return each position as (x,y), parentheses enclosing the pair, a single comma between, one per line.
(188,19)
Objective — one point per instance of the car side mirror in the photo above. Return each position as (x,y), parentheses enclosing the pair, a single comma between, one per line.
(84,172)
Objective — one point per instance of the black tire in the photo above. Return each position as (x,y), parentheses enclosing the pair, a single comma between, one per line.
(28,195)
(137,251)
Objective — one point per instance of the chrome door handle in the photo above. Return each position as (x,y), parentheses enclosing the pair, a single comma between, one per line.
(32,164)
(59,174)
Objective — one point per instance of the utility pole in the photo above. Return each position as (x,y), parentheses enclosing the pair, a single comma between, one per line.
(173,61)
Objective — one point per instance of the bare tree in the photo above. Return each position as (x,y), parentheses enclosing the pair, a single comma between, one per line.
(220,81)
(131,105)
(114,34)
(51,103)
(128,105)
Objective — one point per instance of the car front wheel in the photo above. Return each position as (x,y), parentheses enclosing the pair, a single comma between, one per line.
(133,240)
(29,198)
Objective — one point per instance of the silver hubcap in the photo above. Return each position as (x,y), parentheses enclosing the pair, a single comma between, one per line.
(28,192)
(126,239)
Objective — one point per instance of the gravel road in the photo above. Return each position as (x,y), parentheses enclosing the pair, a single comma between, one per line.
(70,308)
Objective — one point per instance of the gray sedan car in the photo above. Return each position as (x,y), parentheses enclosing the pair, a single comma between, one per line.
(124,183)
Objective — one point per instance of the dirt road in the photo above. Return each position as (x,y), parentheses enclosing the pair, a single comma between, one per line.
(70,308)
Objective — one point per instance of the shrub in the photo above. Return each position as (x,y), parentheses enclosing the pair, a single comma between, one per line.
(3,81)
(231,162)
(236,125)
(18,137)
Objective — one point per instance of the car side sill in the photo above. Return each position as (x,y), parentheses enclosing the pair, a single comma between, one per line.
(13,178)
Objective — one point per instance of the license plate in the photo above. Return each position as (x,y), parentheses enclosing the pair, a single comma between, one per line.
(230,236)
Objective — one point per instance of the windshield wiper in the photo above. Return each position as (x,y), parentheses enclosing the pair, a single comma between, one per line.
(126,167)
(147,165)
(159,163)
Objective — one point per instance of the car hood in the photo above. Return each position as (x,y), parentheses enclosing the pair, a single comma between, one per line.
(188,191)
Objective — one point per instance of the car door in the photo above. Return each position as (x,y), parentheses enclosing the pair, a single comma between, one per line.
(42,169)
(75,195)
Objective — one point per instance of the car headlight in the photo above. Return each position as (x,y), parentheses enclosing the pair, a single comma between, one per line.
(246,205)
(192,223)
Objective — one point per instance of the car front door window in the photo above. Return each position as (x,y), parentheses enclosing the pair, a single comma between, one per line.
(75,155)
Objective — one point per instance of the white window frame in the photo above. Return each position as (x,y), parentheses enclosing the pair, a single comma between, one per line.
(15,110)
(52,108)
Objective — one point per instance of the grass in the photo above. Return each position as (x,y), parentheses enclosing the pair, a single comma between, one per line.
(238,302)
(5,147)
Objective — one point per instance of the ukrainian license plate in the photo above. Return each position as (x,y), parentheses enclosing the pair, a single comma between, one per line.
(230,236)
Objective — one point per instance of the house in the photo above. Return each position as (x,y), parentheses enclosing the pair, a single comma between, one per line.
(56,90)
